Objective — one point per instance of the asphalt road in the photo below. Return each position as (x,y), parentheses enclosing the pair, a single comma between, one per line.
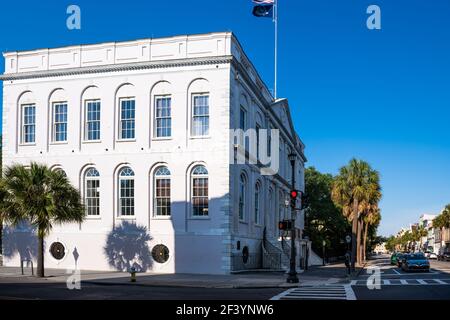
(399,285)
(394,285)
(58,291)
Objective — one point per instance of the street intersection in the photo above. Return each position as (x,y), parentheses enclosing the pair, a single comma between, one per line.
(381,281)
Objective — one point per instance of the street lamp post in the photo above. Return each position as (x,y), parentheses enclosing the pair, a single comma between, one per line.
(292,278)
(323,252)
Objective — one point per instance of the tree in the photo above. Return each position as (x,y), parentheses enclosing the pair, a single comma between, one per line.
(41,197)
(350,192)
(323,220)
(391,243)
(372,218)
(443,220)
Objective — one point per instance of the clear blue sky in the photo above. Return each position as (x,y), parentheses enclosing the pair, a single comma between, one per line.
(383,96)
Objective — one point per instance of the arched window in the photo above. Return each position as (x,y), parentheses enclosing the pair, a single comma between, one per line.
(242,196)
(92,120)
(163,116)
(200,115)
(199,191)
(28,123)
(126,192)
(91,192)
(161,198)
(60,170)
(257,203)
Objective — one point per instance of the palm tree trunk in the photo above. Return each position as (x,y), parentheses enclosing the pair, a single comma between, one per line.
(358,242)
(366,229)
(40,260)
(354,231)
(1,236)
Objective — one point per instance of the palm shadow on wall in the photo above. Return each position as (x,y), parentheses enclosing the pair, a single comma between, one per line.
(127,246)
(22,241)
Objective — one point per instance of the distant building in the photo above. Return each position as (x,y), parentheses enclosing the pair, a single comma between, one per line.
(428,241)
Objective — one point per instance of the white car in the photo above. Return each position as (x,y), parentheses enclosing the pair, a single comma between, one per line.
(431,255)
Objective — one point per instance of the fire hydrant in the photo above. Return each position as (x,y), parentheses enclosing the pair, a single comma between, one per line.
(133,274)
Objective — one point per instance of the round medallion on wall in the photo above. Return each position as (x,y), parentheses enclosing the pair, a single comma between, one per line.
(160,253)
(245,254)
(57,250)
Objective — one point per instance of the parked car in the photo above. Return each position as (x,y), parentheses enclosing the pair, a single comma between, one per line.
(430,255)
(396,258)
(444,256)
(415,261)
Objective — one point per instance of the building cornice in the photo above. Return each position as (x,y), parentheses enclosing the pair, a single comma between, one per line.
(118,68)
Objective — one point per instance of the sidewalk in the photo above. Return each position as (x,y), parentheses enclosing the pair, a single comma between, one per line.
(316,275)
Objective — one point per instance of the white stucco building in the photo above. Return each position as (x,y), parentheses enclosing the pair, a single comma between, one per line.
(142,128)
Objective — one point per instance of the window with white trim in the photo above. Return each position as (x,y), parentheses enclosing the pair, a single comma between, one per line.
(161,197)
(242,196)
(91,192)
(126,192)
(200,115)
(60,121)
(199,191)
(28,123)
(163,117)
(92,118)
(127,119)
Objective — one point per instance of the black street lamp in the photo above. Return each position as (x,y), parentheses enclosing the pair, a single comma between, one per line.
(292,278)
(323,252)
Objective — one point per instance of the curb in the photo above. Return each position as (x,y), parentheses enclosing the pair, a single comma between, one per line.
(177,285)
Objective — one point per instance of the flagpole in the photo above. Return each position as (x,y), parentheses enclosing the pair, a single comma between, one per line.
(275,20)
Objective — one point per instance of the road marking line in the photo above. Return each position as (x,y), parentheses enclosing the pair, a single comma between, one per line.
(403,281)
(439,281)
(349,292)
(386,282)
(421,281)
(277,297)
(353,282)
(396,271)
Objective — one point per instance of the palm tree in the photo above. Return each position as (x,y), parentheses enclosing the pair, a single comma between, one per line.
(442,221)
(350,191)
(41,197)
(373,217)
(368,207)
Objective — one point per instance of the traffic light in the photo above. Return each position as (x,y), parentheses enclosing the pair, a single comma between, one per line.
(294,196)
(304,201)
(285,225)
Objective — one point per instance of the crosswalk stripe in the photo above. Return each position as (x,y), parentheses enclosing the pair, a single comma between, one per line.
(405,282)
(324,292)
(422,281)
(439,281)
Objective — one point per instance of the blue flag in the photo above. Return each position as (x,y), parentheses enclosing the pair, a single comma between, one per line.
(263,11)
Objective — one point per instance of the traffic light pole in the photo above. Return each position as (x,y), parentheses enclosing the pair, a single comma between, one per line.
(292,278)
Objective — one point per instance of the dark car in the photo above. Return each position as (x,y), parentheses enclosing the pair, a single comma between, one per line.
(445,256)
(400,258)
(415,261)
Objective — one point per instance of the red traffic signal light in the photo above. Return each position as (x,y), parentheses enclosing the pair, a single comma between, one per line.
(294,194)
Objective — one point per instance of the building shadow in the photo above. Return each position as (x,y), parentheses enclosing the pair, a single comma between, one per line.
(127,246)
(20,241)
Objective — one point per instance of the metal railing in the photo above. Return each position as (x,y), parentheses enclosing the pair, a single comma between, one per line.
(246,262)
